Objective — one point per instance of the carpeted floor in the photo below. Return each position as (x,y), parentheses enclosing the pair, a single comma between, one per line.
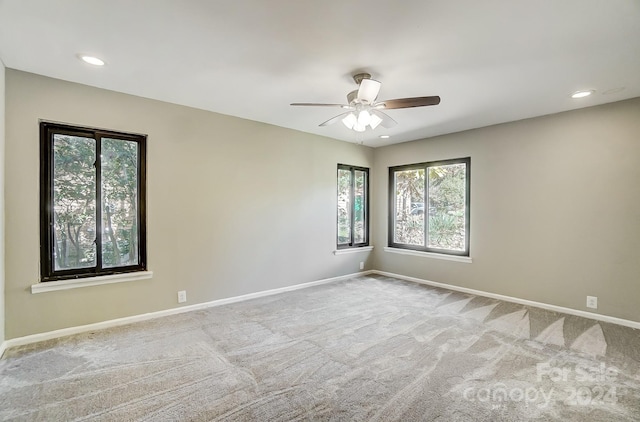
(366,349)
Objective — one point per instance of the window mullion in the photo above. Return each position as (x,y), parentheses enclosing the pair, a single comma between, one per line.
(141,205)
(352,202)
(98,165)
(365,204)
(425,212)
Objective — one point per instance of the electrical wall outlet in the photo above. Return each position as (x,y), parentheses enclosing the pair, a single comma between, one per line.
(592,302)
(362,265)
(182,296)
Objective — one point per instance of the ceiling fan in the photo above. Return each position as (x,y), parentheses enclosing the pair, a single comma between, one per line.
(365,110)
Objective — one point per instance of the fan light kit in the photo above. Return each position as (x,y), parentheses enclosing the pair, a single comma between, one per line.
(365,111)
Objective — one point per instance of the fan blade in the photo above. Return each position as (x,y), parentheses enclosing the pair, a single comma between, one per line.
(320,105)
(410,102)
(368,90)
(387,121)
(335,119)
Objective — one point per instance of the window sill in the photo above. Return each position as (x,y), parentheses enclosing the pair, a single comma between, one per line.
(456,258)
(52,286)
(353,250)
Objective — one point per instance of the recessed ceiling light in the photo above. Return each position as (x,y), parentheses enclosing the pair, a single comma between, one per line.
(582,94)
(384,136)
(91,60)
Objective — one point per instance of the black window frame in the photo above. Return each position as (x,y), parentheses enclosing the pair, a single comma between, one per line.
(392,205)
(47,236)
(351,243)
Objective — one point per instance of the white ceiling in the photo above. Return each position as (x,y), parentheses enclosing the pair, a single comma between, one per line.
(490,61)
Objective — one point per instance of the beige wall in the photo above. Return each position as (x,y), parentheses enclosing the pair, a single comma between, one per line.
(234,206)
(555,208)
(2,126)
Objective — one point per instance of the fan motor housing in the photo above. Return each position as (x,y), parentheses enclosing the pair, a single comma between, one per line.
(358,77)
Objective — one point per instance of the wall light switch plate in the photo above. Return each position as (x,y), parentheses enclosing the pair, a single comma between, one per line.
(592,302)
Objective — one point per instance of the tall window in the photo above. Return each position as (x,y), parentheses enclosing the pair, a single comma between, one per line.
(429,206)
(353,206)
(92,202)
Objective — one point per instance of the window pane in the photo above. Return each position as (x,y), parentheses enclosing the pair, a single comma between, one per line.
(360,201)
(409,207)
(344,206)
(447,207)
(119,203)
(74,202)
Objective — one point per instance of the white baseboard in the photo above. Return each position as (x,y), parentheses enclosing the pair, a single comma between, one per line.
(34,338)
(554,308)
